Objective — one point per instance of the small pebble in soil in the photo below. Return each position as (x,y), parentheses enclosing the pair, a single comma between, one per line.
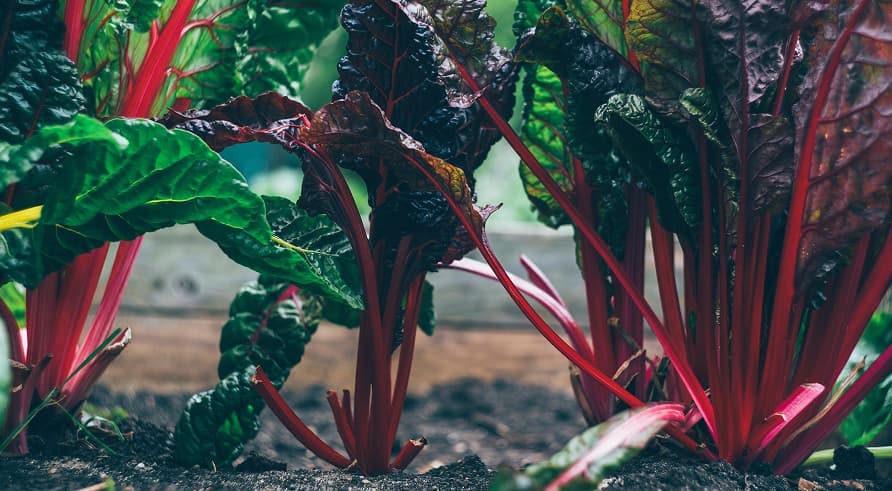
(855,462)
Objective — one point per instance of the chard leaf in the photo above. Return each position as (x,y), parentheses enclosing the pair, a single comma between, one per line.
(659,154)
(770,142)
(27,27)
(43,89)
(589,75)
(542,131)
(142,56)
(603,18)
(704,111)
(844,137)
(744,45)
(280,40)
(661,34)
(356,133)
(329,268)
(528,11)
(395,54)
(591,456)
(39,85)
(129,177)
(13,295)
(269,325)
(323,262)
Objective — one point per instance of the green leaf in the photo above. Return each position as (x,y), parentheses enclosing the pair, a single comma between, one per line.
(82,131)
(202,52)
(13,295)
(270,323)
(659,154)
(27,27)
(604,19)
(216,423)
(874,413)
(43,89)
(591,456)
(528,11)
(111,191)
(427,319)
(323,263)
(542,131)
(660,33)
(279,43)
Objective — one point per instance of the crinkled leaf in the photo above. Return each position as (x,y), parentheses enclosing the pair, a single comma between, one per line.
(844,135)
(216,423)
(467,33)
(279,43)
(596,452)
(270,118)
(159,178)
(604,19)
(356,132)
(269,325)
(542,131)
(392,58)
(528,11)
(396,56)
(43,145)
(744,44)
(26,28)
(659,154)
(276,119)
(43,89)
(590,73)
(660,33)
(704,111)
(324,264)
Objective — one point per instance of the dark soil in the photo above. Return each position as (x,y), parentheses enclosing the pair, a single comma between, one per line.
(472,427)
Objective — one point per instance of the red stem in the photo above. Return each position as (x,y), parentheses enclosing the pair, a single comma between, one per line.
(805,443)
(293,423)
(669,345)
(13,332)
(74,28)
(154,69)
(783,325)
(407,351)
(482,244)
(410,450)
(342,424)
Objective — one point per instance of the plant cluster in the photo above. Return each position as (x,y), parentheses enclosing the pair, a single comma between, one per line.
(747,140)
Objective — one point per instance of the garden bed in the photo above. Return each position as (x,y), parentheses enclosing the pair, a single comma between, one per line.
(472,427)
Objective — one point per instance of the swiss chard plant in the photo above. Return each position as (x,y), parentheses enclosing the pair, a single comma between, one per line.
(74,179)
(753,137)
(403,120)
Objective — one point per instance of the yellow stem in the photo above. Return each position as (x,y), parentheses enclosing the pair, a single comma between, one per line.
(288,245)
(21,218)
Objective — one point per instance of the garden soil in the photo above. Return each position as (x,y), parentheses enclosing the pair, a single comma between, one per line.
(493,400)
